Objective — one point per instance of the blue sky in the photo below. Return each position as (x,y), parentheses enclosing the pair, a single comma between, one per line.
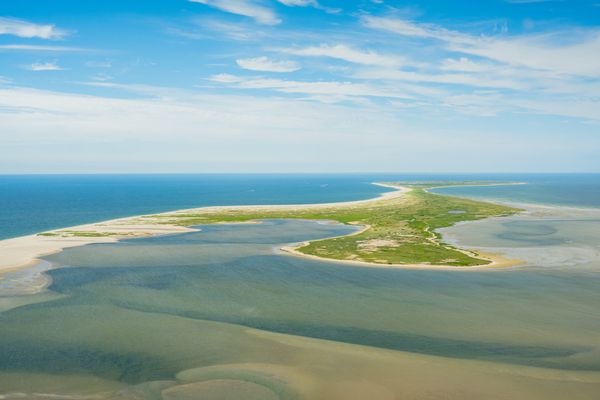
(299,85)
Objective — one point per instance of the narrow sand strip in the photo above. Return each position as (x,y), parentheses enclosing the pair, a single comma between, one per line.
(24,251)
(496,261)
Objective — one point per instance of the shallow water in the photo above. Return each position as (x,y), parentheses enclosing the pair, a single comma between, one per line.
(560,238)
(222,313)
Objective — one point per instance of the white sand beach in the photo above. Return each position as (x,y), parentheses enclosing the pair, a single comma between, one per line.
(24,251)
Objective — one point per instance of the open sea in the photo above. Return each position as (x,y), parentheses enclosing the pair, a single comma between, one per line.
(223,314)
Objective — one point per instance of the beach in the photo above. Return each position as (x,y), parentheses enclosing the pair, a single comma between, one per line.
(23,252)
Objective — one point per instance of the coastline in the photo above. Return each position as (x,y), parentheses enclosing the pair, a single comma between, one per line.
(25,251)
(496,261)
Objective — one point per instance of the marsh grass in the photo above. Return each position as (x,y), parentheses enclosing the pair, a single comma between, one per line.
(399,230)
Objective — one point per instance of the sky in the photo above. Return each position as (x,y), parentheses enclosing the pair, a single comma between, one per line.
(299,86)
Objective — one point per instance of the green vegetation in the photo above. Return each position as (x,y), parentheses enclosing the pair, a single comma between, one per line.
(400,230)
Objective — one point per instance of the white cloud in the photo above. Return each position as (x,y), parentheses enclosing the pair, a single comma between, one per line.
(482,94)
(25,29)
(205,124)
(465,64)
(346,53)
(46,66)
(40,48)
(486,81)
(562,52)
(248,8)
(102,77)
(267,65)
(298,3)
(225,78)
(330,91)
(309,3)
(408,28)
(550,52)
(242,32)
(64,132)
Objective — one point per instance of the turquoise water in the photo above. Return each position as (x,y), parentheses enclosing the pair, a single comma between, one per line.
(222,313)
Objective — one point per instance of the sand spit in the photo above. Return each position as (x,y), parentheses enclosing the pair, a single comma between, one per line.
(24,251)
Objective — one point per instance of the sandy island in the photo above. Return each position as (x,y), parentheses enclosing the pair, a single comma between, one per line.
(25,251)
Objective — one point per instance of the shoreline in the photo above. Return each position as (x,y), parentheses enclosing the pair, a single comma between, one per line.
(497,261)
(25,251)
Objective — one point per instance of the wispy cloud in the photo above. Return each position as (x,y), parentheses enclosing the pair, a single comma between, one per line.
(102,77)
(227,30)
(41,48)
(409,28)
(465,64)
(26,29)
(94,133)
(268,65)
(346,53)
(560,52)
(309,3)
(438,68)
(248,8)
(564,52)
(329,91)
(46,66)
(98,64)
(463,79)
(225,78)
(299,3)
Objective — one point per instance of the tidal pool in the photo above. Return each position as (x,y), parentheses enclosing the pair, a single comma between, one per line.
(222,314)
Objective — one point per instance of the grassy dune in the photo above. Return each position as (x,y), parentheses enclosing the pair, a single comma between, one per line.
(400,230)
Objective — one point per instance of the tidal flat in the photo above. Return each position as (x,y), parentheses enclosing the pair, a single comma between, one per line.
(223,313)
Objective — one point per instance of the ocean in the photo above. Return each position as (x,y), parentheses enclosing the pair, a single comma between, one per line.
(223,313)
(35,203)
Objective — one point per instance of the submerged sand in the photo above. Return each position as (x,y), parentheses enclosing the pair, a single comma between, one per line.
(491,323)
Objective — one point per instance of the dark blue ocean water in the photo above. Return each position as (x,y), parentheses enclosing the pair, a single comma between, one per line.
(34,203)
